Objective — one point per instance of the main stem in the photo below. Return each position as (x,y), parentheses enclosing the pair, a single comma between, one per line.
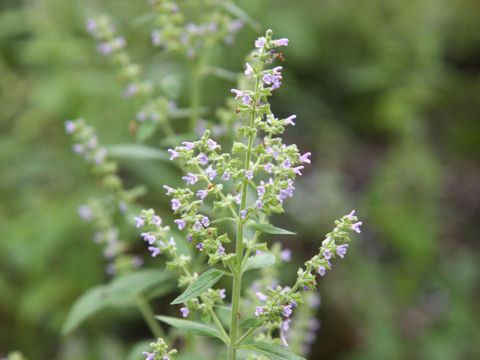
(237,276)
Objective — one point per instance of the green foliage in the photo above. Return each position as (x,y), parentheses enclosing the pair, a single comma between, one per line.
(202,284)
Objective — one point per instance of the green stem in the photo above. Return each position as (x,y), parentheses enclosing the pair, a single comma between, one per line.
(149,316)
(245,336)
(216,320)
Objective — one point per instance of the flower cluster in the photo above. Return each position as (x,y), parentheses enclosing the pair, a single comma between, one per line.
(117,199)
(178,33)
(155,108)
(160,351)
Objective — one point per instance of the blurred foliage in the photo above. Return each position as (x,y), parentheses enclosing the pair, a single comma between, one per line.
(387,95)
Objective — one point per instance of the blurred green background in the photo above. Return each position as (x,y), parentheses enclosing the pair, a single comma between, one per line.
(387,95)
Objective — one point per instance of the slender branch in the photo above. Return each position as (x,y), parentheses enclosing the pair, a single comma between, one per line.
(245,335)
(149,316)
(216,320)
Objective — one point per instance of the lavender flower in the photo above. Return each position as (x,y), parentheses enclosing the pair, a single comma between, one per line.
(356,227)
(157,220)
(259,204)
(176,204)
(149,356)
(168,188)
(155,250)
(173,153)
(249,174)
(223,293)
(91,26)
(246,99)
(197,226)
(140,221)
(286,164)
(189,238)
(261,296)
(282,42)
(286,255)
(69,126)
(221,250)
(268,168)
(289,120)
(249,70)
(287,311)
(243,214)
(322,270)
(188,145)
(190,178)
(199,246)
(210,172)
(327,255)
(180,223)
(203,159)
(342,250)
(184,310)
(202,194)
(259,43)
(226,175)
(305,158)
(156,37)
(258,311)
(212,144)
(86,213)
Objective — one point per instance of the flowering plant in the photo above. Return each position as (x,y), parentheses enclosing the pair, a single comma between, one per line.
(240,187)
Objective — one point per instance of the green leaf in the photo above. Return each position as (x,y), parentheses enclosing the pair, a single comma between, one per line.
(269,229)
(203,283)
(273,352)
(119,293)
(249,323)
(218,221)
(146,130)
(259,261)
(137,151)
(191,327)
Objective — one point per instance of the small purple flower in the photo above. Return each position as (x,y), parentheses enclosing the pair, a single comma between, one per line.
(289,120)
(342,250)
(157,220)
(86,213)
(69,126)
(176,204)
(282,42)
(286,255)
(305,158)
(197,226)
(184,310)
(168,188)
(238,199)
(149,356)
(297,169)
(212,144)
(226,175)
(246,99)
(78,148)
(104,48)
(189,238)
(356,227)
(305,287)
(141,115)
(287,311)
(249,70)
(322,270)
(166,358)
(259,43)
(188,145)
(91,26)
(140,221)
(258,311)
(155,250)
(269,168)
(249,174)
(277,70)
(148,237)
(221,250)
(286,324)
(258,252)
(199,246)
(203,159)
(259,204)
(327,255)
(156,37)
(202,194)
(180,223)
(260,190)
(223,293)
(173,153)
(352,213)
(294,304)
(205,221)
(190,178)
(261,296)
(210,172)
(286,164)
(243,214)
(238,93)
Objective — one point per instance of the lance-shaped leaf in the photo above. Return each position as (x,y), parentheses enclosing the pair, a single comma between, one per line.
(273,352)
(249,323)
(259,261)
(269,229)
(191,327)
(202,284)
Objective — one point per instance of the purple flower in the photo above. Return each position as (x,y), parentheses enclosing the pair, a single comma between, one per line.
(238,199)
(287,311)
(261,296)
(166,358)
(69,126)
(223,293)
(282,42)
(189,238)
(199,246)
(173,153)
(148,237)
(141,115)
(277,70)
(356,227)
(140,221)
(149,356)
(180,223)
(286,164)
(221,250)
(226,175)
(212,144)
(176,204)
(243,214)
(87,214)
(305,288)
(157,220)
(258,252)
(249,174)
(272,79)
(352,213)
(205,221)
(294,304)
(238,93)
(322,270)
(289,120)
(203,159)
(297,169)
(249,70)
(188,145)
(259,204)
(168,188)
(286,324)
(155,250)
(190,178)
(104,48)
(327,255)
(184,310)
(259,43)
(268,168)
(246,99)
(305,158)
(91,26)
(202,194)
(210,172)
(286,255)
(258,311)
(197,226)
(78,148)
(156,37)
(260,190)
